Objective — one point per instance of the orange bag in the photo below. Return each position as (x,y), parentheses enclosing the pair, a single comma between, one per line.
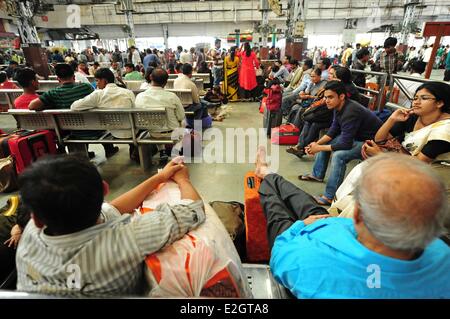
(255,222)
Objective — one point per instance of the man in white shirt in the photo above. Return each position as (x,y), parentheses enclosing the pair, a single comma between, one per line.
(183,81)
(156,96)
(135,56)
(427,54)
(186,57)
(107,96)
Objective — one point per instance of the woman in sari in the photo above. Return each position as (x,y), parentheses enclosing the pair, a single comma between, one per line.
(423,130)
(231,84)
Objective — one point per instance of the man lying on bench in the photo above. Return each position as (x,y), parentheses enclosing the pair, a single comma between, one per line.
(78,244)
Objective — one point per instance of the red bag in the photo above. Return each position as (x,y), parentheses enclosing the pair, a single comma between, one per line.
(273,102)
(286,134)
(262,106)
(28,146)
(255,222)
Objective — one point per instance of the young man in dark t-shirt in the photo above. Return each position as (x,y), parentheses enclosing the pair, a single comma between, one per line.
(352,125)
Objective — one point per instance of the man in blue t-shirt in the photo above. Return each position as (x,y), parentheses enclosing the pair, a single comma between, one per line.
(390,249)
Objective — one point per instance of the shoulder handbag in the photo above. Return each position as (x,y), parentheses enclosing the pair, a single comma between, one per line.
(317,113)
(8,175)
(390,145)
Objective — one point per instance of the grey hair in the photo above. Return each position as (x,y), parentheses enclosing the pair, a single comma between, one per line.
(377,208)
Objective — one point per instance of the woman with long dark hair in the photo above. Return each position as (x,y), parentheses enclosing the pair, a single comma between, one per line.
(247,73)
(231,75)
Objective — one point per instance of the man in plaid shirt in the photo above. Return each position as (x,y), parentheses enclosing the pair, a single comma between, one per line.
(389,57)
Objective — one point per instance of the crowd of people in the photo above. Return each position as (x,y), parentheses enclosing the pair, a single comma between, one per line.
(393,208)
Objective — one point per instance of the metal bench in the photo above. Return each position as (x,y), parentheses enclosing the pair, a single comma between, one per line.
(9,96)
(262,283)
(133,120)
(198,83)
(204,76)
(91,78)
(133,85)
(365,99)
(184,95)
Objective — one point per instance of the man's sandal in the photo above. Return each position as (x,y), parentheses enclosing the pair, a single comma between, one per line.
(309,178)
(322,200)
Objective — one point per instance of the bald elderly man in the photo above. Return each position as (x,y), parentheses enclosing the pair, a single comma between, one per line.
(390,249)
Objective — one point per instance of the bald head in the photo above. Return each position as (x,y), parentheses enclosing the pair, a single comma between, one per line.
(402,201)
(159,77)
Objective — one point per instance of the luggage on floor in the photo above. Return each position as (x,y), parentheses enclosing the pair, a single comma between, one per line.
(257,244)
(262,106)
(271,119)
(27,146)
(286,134)
(274,97)
(8,175)
(231,215)
(4,146)
(295,116)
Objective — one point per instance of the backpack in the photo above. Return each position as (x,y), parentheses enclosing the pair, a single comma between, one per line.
(274,96)
(232,216)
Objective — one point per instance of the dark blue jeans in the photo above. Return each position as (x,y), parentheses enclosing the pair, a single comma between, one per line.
(339,162)
(310,133)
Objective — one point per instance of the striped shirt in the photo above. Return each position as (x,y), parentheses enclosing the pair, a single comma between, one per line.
(106,258)
(62,97)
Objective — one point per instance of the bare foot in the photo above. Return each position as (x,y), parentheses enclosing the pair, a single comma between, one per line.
(262,169)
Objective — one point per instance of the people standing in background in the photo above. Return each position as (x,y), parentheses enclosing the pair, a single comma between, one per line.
(346,55)
(135,56)
(354,58)
(247,73)
(427,54)
(215,55)
(231,65)
(447,67)
(362,58)
(200,57)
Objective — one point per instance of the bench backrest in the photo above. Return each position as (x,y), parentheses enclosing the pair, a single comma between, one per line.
(32,120)
(133,85)
(91,78)
(9,96)
(204,76)
(198,83)
(117,119)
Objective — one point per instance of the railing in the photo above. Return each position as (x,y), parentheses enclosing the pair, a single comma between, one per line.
(382,83)
(396,80)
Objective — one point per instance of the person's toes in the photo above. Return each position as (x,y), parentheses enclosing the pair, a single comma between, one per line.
(261,155)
